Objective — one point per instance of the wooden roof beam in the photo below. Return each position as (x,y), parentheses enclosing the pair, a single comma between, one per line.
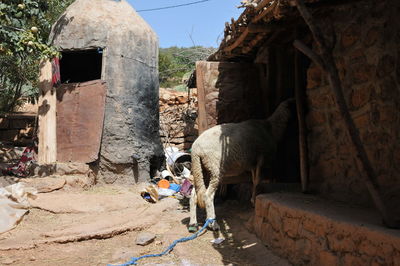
(265,12)
(252,43)
(263,4)
(259,28)
(238,41)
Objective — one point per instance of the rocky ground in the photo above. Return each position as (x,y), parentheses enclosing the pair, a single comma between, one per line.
(100,226)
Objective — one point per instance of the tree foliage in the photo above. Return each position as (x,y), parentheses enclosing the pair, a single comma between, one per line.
(24,29)
(175,63)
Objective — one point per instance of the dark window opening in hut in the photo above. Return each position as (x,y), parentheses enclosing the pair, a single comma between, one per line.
(81,66)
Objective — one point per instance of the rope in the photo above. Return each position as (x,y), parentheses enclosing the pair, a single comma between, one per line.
(184,239)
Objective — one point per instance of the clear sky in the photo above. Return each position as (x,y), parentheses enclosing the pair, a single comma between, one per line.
(204,22)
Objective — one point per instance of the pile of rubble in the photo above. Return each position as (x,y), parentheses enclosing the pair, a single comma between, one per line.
(178,113)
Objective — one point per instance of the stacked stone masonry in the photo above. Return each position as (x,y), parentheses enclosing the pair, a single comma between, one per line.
(301,229)
(368,58)
(178,113)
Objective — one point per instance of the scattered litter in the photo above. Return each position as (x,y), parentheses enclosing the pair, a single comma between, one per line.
(165,192)
(185,172)
(218,240)
(177,161)
(167,175)
(169,153)
(163,183)
(178,196)
(186,188)
(172,181)
(175,187)
(145,238)
(150,194)
(14,204)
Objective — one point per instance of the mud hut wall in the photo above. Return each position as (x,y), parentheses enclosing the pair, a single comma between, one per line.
(131,120)
(368,58)
(130,69)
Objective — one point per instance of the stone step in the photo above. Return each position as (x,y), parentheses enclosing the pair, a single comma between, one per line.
(312,231)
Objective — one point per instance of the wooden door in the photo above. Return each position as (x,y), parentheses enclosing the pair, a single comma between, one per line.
(80,117)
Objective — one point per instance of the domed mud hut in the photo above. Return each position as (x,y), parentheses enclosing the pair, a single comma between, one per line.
(107,104)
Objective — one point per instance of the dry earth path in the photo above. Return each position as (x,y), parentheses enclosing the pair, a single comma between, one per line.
(100,226)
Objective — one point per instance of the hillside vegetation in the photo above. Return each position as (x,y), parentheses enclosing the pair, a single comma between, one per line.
(176,64)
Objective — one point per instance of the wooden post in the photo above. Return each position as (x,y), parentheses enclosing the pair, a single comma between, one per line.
(326,61)
(300,107)
(47,116)
(201,68)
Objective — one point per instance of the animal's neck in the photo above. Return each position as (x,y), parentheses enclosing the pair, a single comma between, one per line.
(278,121)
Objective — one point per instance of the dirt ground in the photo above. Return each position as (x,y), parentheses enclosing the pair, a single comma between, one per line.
(99,226)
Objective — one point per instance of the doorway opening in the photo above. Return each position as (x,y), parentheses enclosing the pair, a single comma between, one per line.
(281,80)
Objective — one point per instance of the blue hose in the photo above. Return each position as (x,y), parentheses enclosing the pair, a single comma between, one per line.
(184,239)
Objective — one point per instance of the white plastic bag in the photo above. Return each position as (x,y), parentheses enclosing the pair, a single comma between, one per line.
(14,204)
(165,192)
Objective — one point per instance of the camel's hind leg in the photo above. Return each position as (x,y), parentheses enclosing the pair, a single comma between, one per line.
(209,198)
(193,210)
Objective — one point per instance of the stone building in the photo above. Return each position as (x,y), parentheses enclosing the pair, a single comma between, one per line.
(257,66)
(109,71)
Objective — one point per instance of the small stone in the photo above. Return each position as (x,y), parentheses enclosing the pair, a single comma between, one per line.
(158,243)
(145,238)
(32,258)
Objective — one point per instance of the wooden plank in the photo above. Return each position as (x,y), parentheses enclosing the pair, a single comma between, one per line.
(47,116)
(201,69)
(300,106)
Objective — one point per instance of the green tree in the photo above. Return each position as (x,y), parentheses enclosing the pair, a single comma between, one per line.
(24,29)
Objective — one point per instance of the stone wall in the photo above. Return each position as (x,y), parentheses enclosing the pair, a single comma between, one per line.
(178,113)
(302,229)
(368,57)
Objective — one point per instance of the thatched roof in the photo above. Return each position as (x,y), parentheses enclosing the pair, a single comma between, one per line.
(262,21)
